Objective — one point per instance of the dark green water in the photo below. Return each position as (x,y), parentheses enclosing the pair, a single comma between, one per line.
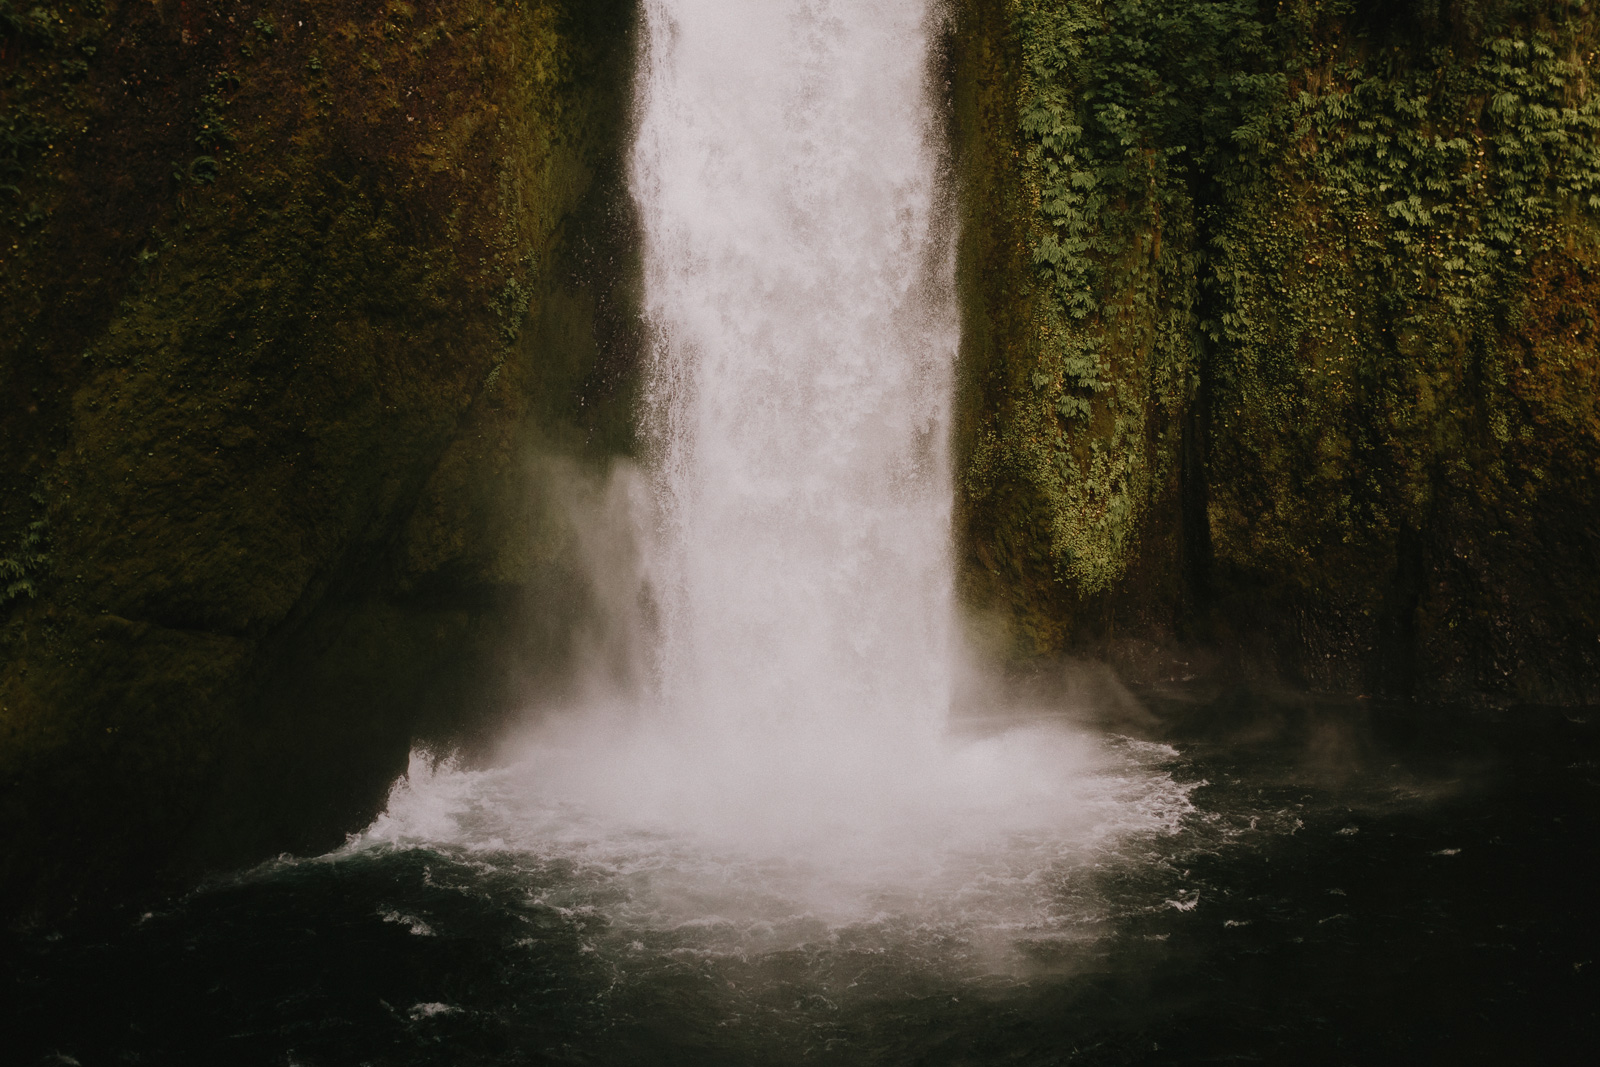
(1347,885)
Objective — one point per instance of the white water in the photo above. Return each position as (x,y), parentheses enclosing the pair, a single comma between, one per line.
(804,302)
(794,520)
(802,299)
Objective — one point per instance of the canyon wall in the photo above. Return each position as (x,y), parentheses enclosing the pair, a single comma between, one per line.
(1281,343)
(302,309)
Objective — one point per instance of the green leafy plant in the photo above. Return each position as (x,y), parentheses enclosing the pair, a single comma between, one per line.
(28,561)
(1328,228)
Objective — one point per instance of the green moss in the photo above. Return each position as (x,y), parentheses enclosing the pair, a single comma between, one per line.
(1270,306)
(1074,473)
(1375,281)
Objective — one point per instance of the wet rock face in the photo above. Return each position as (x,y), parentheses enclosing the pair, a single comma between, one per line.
(292,297)
(1276,337)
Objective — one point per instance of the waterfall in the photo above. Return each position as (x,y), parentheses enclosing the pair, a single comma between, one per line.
(792,525)
(800,289)
(783,548)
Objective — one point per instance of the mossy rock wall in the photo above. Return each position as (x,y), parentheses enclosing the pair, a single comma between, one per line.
(1281,339)
(297,302)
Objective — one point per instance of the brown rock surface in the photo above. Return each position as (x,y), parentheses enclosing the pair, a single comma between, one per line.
(292,297)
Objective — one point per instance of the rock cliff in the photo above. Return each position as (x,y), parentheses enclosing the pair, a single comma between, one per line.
(298,300)
(1281,338)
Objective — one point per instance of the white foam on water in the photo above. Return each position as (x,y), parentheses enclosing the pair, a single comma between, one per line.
(965,866)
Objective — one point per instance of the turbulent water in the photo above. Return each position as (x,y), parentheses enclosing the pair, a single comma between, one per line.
(801,293)
(1345,885)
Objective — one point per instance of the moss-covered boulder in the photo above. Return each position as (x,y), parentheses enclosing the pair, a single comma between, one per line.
(292,299)
(1281,337)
